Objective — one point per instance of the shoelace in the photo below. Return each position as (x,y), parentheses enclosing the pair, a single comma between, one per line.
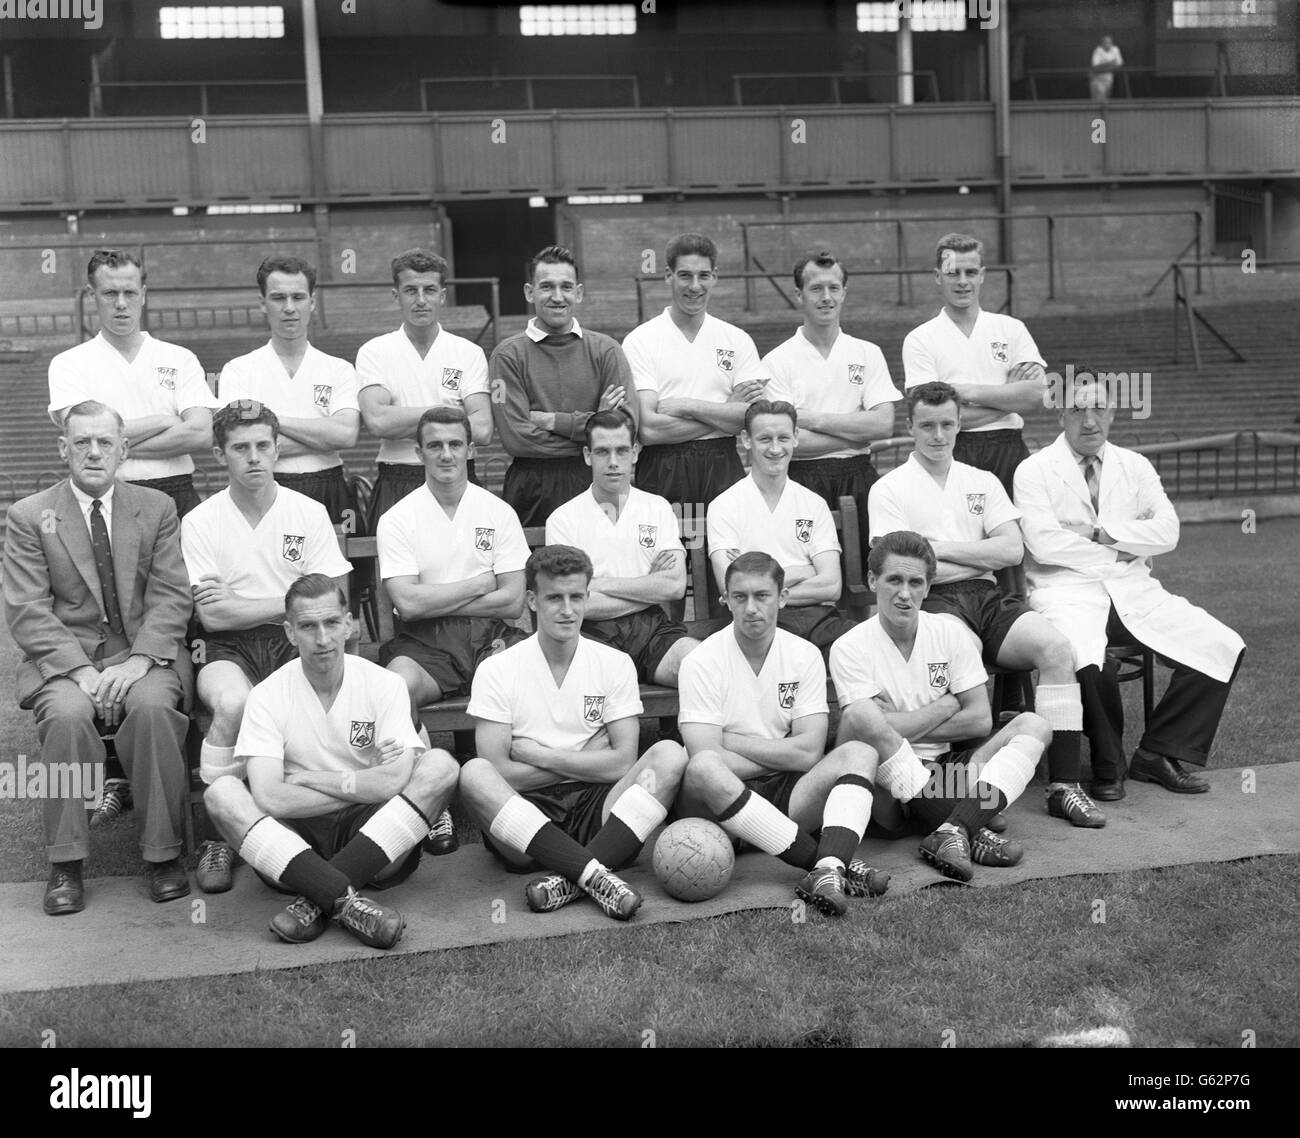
(361,915)
(304,912)
(606,889)
(443,827)
(115,792)
(988,840)
(557,889)
(218,857)
(1075,797)
(63,878)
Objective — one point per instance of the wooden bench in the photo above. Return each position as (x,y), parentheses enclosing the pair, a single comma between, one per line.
(708,614)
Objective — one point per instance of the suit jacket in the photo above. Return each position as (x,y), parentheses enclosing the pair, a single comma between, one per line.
(1073,581)
(53,601)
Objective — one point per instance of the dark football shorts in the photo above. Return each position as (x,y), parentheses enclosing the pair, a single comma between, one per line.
(450,648)
(258,651)
(981,606)
(832,478)
(646,636)
(690,474)
(573,806)
(821,625)
(330,489)
(178,487)
(536,487)
(329,833)
(998,452)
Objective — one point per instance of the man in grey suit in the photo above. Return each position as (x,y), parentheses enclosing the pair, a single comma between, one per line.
(101,623)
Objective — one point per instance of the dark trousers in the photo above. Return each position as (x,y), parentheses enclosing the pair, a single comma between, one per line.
(1183,724)
(150,743)
(536,487)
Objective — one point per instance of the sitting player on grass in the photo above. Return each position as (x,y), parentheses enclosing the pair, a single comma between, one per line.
(557,781)
(910,684)
(340,790)
(753,715)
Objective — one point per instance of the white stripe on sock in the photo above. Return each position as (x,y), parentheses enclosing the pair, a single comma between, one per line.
(763,825)
(269,846)
(639,810)
(517,823)
(1011,768)
(395,827)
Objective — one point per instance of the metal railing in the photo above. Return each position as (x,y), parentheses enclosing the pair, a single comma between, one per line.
(203,85)
(1185,307)
(774,279)
(320,318)
(901,256)
(530,82)
(836,79)
(1122,75)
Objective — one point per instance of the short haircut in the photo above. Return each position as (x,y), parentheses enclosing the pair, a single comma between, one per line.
(420,261)
(691,245)
(311,587)
(442,414)
(933,394)
(759,564)
(902,543)
(770,407)
(113,259)
(556,561)
(821,259)
(89,409)
(241,413)
(612,420)
(957,243)
(552,255)
(288,265)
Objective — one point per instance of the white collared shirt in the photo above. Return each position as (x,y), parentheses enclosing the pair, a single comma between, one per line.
(853,377)
(453,368)
(939,350)
(537,333)
(322,386)
(970,505)
(86,502)
(163,379)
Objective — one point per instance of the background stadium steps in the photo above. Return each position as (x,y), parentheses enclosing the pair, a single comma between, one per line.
(1261,393)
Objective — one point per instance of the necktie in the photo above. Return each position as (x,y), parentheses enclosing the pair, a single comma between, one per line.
(104,564)
(1091,477)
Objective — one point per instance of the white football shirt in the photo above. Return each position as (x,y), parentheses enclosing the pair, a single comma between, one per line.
(284,718)
(939,350)
(293,538)
(454,368)
(716,685)
(321,386)
(865,662)
(970,505)
(663,360)
(854,377)
(416,538)
(163,379)
(516,687)
(646,527)
(794,533)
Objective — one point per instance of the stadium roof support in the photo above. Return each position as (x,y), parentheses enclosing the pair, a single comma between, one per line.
(1000,90)
(315,96)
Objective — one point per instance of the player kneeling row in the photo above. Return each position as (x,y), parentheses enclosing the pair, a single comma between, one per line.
(340,791)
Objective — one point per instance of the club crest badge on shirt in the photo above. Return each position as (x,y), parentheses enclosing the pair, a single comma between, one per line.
(975,504)
(726,358)
(166,378)
(786,694)
(857,373)
(999,350)
(803,530)
(647,537)
(362,733)
(320,395)
(484,539)
(593,708)
(292,548)
(451,378)
(938,674)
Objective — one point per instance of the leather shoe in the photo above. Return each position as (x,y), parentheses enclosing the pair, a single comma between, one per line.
(64,892)
(1148,767)
(1108,790)
(167,880)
